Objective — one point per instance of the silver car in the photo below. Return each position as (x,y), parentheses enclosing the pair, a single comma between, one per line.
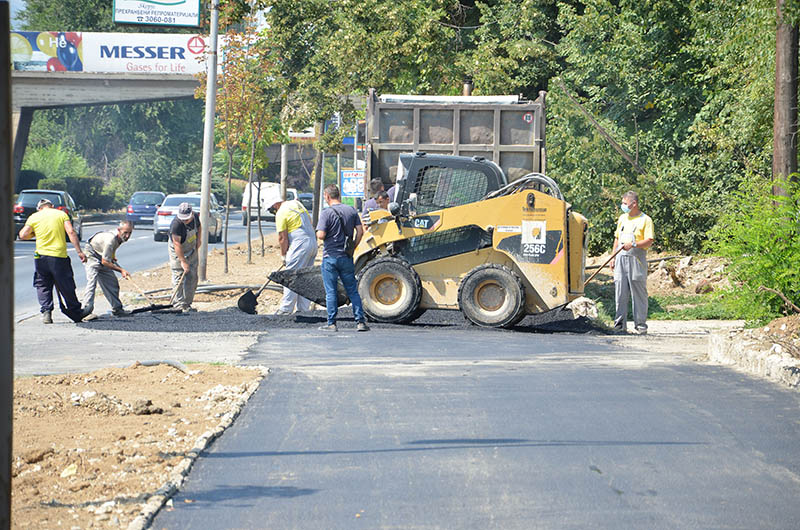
(169,208)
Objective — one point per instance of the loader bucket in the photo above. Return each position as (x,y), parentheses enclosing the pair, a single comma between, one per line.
(307,282)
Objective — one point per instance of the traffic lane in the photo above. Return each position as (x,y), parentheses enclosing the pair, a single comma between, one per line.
(141,252)
(469,429)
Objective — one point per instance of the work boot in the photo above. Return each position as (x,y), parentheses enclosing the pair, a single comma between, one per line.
(329,327)
(362,326)
(120,312)
(89,317)
(188,309)
(47,317)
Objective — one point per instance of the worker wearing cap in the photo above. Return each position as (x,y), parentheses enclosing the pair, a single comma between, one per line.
(298,245)
(52,267)
(184,246)
(101,265)
(635,235)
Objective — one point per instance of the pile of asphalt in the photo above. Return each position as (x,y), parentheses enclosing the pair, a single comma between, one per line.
(558,320)
(233,320)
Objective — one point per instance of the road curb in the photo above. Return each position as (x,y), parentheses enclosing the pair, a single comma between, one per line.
(735,348)
(162,496)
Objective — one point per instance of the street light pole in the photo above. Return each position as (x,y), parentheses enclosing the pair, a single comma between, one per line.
(208,138)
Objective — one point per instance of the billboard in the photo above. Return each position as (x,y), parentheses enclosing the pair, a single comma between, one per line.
(159,13)
(144,53)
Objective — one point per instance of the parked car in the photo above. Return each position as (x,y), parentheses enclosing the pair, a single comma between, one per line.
(308,200)
(143,205)
(28,199)
(169,208)
(270,191)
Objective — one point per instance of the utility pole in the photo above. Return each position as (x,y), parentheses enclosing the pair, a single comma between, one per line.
(6,273)
(208,138)
(784,126)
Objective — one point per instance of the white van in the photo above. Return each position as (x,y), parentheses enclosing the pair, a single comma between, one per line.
(270,192)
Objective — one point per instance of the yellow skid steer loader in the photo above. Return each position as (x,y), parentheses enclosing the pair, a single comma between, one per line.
(460,237)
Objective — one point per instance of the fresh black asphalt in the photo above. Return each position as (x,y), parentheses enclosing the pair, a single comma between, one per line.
(448,426)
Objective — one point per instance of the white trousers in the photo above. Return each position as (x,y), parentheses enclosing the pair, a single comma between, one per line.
(301,253)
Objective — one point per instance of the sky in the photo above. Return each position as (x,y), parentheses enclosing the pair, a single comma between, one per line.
(15,6)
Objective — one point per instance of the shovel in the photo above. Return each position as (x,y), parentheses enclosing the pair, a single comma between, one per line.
(249,300)
(152,307)
(603,265)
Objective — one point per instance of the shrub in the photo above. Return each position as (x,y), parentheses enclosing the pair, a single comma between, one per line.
(758,233)
(28,179)
(53,184)
(86,191)
(56,160)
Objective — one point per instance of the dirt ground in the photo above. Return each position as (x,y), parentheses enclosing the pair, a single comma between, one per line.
(89,449)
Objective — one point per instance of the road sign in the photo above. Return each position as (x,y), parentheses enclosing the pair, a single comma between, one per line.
(352,182)
(527,117)
(157,13)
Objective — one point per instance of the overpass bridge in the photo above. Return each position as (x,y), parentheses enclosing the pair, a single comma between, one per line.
(34,90)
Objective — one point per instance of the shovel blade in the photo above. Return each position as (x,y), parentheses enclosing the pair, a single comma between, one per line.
(151,307)
(307,282)
(247,302)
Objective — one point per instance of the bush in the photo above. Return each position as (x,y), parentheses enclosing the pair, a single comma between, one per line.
(53,184)
(57,160)
(758,233)
(28,179)
(85,190)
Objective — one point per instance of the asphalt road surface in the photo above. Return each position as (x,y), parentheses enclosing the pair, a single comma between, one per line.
(139,253)
(439,426)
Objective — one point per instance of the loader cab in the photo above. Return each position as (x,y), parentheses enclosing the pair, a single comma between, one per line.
(433,182)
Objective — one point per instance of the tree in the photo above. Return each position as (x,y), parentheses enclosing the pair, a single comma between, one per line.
(57,160)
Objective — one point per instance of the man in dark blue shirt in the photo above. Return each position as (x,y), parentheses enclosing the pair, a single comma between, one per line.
(336,224)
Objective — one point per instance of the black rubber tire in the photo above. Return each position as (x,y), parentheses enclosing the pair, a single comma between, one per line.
(157,237)
(244,220)
(390,291)
(492,296)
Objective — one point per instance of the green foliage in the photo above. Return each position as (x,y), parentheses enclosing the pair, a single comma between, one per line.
(56,160)
(53,183)
(28,179)
(148,169)
(663,306)
(689,307)
(88,192)
(759,233)
(686,88)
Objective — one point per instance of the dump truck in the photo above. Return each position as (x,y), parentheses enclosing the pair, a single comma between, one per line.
(508,130)
(460,236)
